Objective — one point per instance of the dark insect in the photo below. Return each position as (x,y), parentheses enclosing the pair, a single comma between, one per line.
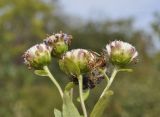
(90,80)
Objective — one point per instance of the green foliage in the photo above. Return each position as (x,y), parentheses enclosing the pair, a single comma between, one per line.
(85,95)
(41,72)
(57,113)
(69,86)
(69,110)
(26,22)
(101,105)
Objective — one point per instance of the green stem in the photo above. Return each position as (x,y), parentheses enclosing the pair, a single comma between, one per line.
(80,81)
(53,80)
(71,93)
(105,75)
(115,70)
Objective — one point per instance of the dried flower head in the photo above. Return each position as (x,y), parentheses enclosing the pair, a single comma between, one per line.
(121,53)
(59,43)
(37,56)
(91,79)
(78,60)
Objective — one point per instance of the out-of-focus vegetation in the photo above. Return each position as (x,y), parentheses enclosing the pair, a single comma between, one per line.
(22,94)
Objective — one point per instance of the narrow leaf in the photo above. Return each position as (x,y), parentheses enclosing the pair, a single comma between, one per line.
(101,105)
(57,113)
(85,95)
(41,72)
(69,86)
(69,109)
(126,70)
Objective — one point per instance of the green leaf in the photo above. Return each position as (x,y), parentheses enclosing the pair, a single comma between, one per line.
(57,113)
(69,109)
(101,105)
(41,72)
(69,67)
(61,65)
(85,95)
(69,86)
(126,70)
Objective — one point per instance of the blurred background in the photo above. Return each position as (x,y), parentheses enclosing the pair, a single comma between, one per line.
(24,23)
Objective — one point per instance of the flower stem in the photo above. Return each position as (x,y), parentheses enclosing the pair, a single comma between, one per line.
(115,70)
(80,81)
(53,80)
(104,73)
(71,93)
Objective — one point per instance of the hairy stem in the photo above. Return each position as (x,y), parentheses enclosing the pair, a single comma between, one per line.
(80,81)
(53,80)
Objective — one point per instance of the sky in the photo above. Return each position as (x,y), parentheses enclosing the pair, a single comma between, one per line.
(141,10)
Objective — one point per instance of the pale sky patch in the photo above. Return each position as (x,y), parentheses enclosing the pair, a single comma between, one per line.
(141,10)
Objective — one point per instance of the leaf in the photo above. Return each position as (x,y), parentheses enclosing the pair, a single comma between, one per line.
(69,109)
(69,67)
(85,95)
(69,86)
(61,65)
(101,105)
(41,72)
(126,70)
(57,113)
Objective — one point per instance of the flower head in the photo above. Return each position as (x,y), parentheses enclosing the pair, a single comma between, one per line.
(78,61)
(121,53)
(59,43)
(90,80)
(37,56)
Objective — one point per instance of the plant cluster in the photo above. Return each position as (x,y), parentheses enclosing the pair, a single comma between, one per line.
(85,68)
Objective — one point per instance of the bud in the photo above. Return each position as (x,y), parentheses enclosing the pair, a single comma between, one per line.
(77,61)
(37,56)
(121,53)
(59,43)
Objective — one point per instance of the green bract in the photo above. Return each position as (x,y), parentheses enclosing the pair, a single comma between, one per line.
(121,53)
(37,56)
(77,61)
(59,43)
